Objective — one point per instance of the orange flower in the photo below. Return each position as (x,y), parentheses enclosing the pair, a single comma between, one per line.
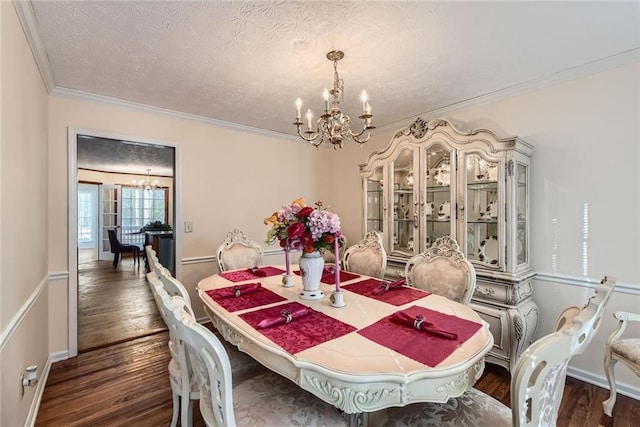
(273,219)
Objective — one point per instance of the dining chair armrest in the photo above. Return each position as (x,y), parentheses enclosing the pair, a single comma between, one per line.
(623,318)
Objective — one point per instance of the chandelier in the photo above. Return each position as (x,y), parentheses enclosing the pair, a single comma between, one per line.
(146,184)
(334,126)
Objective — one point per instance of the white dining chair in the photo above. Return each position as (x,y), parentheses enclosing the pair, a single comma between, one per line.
(443,270)
(624,349)
(238,251)
(367,257)
(174,287)
(179,373)
(537,383)
(265,400)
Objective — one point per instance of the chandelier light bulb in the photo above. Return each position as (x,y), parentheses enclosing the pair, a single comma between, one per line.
(309,118)
(325,95)
(298,107)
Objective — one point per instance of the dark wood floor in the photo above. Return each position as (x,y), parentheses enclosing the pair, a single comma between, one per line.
(127,384)
(114,305)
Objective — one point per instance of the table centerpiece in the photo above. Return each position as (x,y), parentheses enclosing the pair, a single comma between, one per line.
(311,230)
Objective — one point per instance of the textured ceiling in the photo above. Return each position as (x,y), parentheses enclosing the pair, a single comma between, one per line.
(109,155)
(246,62)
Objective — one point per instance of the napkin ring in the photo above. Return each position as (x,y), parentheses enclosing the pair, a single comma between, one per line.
(288,317)
(418,321)
(236,291)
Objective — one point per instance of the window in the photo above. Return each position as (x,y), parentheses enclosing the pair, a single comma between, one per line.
(86,215)
(140,207)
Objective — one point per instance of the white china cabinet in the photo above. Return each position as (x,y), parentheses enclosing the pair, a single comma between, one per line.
(434,180)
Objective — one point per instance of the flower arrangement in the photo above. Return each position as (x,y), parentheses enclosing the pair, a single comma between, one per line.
(299,227)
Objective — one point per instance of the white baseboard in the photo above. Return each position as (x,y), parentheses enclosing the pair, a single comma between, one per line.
(601,381)
(37,398)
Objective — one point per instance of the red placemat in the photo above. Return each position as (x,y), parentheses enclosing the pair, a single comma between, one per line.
(421,346)
(301,334)
(330,277)
(400,296)
(255,299)
(242,275)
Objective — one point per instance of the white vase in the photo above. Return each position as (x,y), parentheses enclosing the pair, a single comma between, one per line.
(311,266)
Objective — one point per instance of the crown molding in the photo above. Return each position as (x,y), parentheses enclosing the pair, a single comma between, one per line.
(100,99)
(30,27)
(621,59)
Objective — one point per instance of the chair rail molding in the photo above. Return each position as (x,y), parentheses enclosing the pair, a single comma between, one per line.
(17,318)
(586,282)
(198,260)
(58,275)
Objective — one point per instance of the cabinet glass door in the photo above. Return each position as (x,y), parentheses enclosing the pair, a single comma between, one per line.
(374,185)
(439,203)
(482,211)
(404,218)
(522,210)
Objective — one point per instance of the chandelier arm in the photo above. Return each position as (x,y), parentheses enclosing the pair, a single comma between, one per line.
(309,138)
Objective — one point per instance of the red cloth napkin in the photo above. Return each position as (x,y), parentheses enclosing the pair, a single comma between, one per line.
(420,324)
(286,316)
(258,272)
(386,286)
(236,291)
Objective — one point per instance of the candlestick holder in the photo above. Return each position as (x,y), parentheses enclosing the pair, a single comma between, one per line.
(337,299)
(287,280)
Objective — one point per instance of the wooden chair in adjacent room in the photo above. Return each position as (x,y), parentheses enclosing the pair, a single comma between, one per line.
(117,249)
(537,383)
(238,251)
(367,257)
(443,270)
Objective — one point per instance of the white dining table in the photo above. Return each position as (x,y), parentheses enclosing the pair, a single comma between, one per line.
(352,372)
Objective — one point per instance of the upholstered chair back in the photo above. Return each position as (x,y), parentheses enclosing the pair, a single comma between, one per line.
(367,257)
(443,270)
(237,251)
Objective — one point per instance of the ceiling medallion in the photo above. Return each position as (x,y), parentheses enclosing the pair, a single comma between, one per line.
(334,126)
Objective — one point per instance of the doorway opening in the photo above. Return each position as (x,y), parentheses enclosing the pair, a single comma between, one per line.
(108,191)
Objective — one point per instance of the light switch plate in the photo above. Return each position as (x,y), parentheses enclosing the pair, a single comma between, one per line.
(188,227)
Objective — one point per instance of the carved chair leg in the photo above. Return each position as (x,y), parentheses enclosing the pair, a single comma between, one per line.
(609,370)
(176,410)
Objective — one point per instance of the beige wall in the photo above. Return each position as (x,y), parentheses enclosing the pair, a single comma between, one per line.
(23,218)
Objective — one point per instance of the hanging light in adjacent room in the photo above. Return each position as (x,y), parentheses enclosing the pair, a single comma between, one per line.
(146,184)
(334,126)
